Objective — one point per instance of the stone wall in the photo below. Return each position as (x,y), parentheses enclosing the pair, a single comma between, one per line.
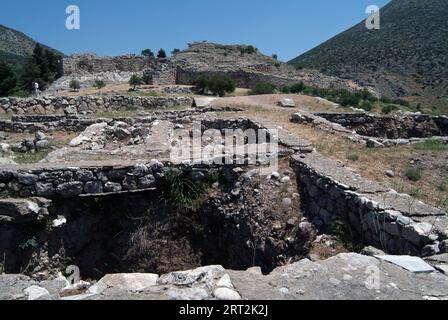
(68,182)
(91,63)
(163,74)
(396,223)
(87,104)
(391,127)
(246,78)
(75,123)
(373,131)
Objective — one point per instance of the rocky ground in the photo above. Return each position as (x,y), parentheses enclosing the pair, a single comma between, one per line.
(343,277)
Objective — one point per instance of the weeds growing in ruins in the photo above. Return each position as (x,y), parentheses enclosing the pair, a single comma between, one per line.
(353,156)
(341,230)
(430,145)
(28,157)
(178,189)
(414,174)
(29,243)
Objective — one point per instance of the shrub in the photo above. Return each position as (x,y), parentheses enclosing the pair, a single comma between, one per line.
(178,189)
(175,51)
(297,88)
(215,83)
(263,88)
(414,174)
(285,89)
(387,109)
(386,100)
(20,93)
(401,102)
(75,85)
(275,56)
(135,81)
(161,54)
(366,105)
(353,156)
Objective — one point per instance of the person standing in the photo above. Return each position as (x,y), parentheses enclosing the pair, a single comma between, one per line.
(35,85)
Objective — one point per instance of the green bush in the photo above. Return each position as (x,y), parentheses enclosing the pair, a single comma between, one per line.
(215,83)
(414,174)
(366,105)
(263,88)
(99,84)
(20,93)
(75,85)
(297,88)
(386,100)
(175,51)
(389,108)
(285,89)
(401,102)
(178,189)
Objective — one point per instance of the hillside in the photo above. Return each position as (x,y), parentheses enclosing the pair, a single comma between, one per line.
(248,66)
(407,57)
(15,46)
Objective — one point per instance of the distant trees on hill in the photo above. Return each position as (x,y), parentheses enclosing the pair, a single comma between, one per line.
(161,54)
(148,53)
(43,66)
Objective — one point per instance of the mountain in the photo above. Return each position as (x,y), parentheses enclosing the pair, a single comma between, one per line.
(407,57)
(15,46)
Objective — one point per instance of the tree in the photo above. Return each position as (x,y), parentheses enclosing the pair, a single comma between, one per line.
(148,53)
(220,85)
(99,84)
(8,80)
(175,51)
(249,50)
(43,66)
(135,81)
(275,56)
(215,83)
(75,85)
(161,54)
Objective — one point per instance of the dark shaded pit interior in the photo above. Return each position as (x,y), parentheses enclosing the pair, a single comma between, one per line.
(245,222)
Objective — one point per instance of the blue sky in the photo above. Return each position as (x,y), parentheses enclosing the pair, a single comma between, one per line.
(285,27)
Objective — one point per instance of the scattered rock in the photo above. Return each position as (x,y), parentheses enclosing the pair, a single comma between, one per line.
(226,294)
(37,293)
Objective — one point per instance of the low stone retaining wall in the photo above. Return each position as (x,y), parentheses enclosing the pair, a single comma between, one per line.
(390,127)
(75,123)
(370,130)
(75,181)
(396,223)
(87,104)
